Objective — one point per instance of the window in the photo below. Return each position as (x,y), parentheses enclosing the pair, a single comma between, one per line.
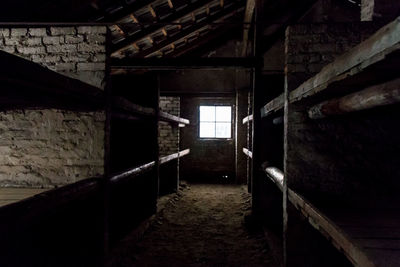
(215,121)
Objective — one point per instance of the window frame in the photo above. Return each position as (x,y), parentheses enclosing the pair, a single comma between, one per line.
(215,105)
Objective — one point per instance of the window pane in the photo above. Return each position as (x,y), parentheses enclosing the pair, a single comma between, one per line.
(223,130)
(224,114)
(207,130)
(207,113)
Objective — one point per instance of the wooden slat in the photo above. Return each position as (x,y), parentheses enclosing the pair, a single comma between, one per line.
(28,83)
(11,195)
(273,106)
(248,152)
(248,15)
(275,175)
(168,158)
(132,172)
(146,167)
(183,63)
(330,230)
(378,47)
(227,10)
(171,118)
(371,97)
(248,119)
(125,105)
(152,28)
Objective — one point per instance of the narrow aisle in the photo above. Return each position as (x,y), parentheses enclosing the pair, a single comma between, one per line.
(203,227)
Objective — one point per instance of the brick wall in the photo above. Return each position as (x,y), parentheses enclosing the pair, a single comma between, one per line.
(77,52)
(48,148)
(168,134)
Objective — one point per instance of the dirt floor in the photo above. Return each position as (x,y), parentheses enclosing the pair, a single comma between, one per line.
(202,226)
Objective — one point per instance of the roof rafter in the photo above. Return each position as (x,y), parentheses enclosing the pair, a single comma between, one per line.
(233,9)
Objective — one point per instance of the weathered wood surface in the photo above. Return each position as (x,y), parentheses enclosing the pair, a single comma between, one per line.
(133,172)
(248,119)
(248,16)
(248,152)
(372,51)
(27,84)
(174,156)
(185,63)
(371,97)
(336,234)
(147,167)
(125,105)
(10,195)
(164,116)
(276,176)
(272,106)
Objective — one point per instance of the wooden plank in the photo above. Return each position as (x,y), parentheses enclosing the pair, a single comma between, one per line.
(11,195)
(330,230)
(123,104)
(21,77)
(273,106)
(183,63)
(146,167)
(248,119)
(132,172)
(248,15)
(150,29)
(384,257)
(226,10)
(375,96)
(275,175)
(164,116)
(373,50)
(248,152)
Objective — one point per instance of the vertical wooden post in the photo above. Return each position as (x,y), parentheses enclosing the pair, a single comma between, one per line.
(256,75)
(107,148)
(156,145)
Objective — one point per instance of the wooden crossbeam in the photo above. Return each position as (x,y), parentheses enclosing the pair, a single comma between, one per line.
(233,9)
(153,28)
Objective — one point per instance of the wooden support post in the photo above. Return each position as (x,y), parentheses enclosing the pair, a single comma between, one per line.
(157,149)
(371,97)
(256,163)
(107,150)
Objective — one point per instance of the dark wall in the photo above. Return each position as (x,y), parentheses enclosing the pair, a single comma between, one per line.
(209,160)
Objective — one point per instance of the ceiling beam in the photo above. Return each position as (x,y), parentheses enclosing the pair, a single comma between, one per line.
(151,28)
(184,63)
(232,9)
(248,15)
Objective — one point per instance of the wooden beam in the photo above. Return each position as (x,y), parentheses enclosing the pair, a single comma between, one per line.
(378,48)
(152,11)
(273,106)
(183,63)
(248,119)
(248,15)
(127,106)
(248,152)
(171,118)
(170,4)
(171,157)
(153,28)
(232,9)
(371,97)
(275,174)
(132,172)
(330,230)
